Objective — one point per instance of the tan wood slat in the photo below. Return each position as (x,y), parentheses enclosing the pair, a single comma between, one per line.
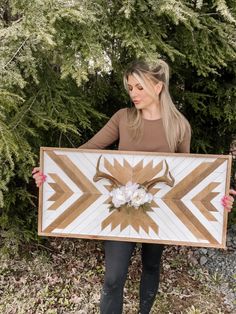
(154,191)
(193,179)
(60,201)
(109,220)
(204,192)
(209,198)
(129,169)
(145,228)
(203,200)
(88,200)
(117,218)
(146,223)
(182,188)
(130,216)
(154,204)
(59,183)
(204,210)
(58,191)
(123,220)
(72,212)
(154,226)
(136,169)
(74,173)
(137,220)
(210,206)
(77,176)
(126,169)
(129,152)
(118,171)
(108,187)
(190,221)
(108,200)
(62,191)
(59,187)
(148,172)
(132,239)
(55,196)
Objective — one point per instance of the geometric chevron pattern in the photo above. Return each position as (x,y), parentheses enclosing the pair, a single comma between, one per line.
(72,204)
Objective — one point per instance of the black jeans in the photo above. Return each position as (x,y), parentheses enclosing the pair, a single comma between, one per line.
(117,257)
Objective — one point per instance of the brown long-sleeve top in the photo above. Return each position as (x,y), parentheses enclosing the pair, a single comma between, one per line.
(153,138)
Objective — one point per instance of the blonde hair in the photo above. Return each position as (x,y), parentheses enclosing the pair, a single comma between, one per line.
(174,123)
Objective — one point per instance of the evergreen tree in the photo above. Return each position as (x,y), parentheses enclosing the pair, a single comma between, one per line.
(61,67)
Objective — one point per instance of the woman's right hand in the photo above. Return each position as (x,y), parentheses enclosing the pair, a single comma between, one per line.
(38,176)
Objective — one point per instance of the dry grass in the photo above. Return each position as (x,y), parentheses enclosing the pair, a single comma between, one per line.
(67,277)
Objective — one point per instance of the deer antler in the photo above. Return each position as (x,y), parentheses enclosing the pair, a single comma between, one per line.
(100,175)
(169,181)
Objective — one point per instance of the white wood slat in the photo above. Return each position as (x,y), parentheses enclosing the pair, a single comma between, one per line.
(173,223)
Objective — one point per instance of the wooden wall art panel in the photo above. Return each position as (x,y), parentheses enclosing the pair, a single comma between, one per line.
(184,191)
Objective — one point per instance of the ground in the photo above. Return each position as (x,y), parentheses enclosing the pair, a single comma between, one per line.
(65,276)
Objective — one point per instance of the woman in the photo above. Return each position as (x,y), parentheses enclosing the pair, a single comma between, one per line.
(155,125)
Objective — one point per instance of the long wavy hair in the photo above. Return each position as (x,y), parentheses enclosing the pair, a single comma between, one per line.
(174,123)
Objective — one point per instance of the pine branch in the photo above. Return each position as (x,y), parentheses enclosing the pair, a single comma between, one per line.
(16,53)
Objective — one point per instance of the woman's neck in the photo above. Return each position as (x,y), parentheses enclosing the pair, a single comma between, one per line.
(152,113)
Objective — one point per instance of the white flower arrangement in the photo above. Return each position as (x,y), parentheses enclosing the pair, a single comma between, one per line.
(130,195)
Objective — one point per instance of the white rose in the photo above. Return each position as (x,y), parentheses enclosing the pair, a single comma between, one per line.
(118,197)
(131,194)
(139,197)
(129,189)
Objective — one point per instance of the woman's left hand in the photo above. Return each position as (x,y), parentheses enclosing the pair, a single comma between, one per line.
(227,200)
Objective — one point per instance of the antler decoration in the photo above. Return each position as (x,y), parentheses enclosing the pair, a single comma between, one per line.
(100,175)
(169,181)
(147,184)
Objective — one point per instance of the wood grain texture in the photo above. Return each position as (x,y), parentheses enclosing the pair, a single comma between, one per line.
(62,191)
(191,202)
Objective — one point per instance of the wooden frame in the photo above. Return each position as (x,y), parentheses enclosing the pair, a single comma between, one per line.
(71,204)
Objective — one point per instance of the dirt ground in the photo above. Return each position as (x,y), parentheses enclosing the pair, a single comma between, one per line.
(65,276)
